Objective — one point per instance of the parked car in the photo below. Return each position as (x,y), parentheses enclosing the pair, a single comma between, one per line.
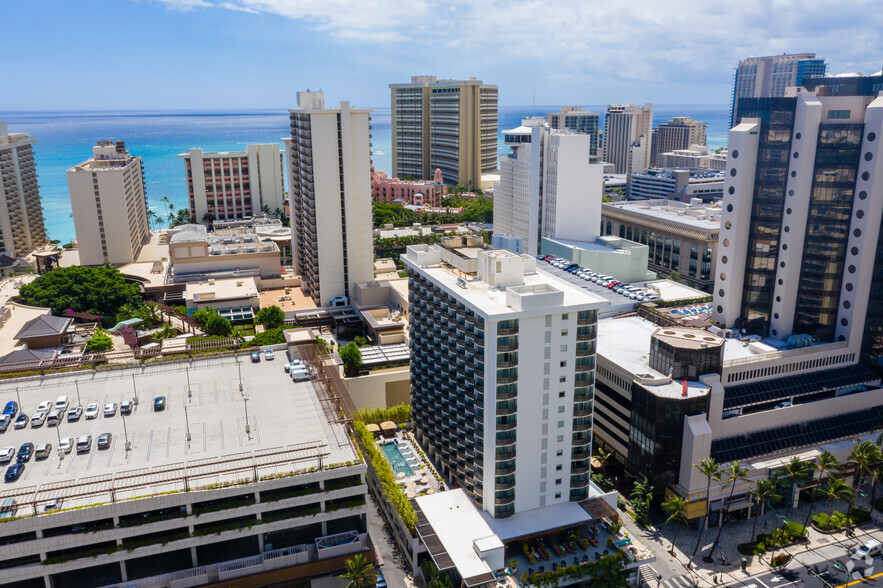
(45,406)
(61,403)
(43,450)
(126,407)
(784,404)
(84,443)
(11,408)
(54,418)
(870,548)
(74,413)
(5,419)
(25,452)
(92,411)
(110,409)
(7,453)
(159,403)
(293,364)
(38,419)
(268,354)
(14,472)
(104,440)
(54,503)
(66,444)
(21,421)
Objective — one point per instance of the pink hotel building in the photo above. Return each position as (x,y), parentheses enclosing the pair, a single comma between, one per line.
(396,191)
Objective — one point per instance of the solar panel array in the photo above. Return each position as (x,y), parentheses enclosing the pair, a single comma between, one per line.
(385,354)
(807,434)
(776,389)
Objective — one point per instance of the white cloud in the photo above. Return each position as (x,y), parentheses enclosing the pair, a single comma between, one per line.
(644,40)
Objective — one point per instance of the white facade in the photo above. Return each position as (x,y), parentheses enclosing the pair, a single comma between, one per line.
(330,186)
(547,186)
(627,137)
(235,185)
(109,205)
(521,348)
(21,215)
(697,156)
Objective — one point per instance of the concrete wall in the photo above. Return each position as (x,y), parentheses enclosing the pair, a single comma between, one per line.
(380,388)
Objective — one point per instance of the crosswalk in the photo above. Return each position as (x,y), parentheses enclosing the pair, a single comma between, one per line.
(682,581)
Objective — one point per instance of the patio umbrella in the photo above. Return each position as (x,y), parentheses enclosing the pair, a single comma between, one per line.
(412,484)
(388,426)
(424,480)
(372,428)
(401,474)
(410,495)
(431,491)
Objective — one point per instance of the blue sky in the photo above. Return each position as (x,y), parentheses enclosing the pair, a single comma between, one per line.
(217,54)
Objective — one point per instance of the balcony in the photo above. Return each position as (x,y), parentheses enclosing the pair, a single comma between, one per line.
(507,411)
(505,441)
(501,332)
(503,427)
(507,379)
(511,347)
(582,427)
(506,485)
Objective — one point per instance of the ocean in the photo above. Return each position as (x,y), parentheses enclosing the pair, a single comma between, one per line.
(65,139)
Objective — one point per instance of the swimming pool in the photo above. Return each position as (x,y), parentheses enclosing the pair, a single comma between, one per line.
(398,463)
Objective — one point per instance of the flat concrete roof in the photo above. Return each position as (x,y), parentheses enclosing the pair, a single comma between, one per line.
(537,520)
(662,212)
(221,290)
(457,523)
(281,413)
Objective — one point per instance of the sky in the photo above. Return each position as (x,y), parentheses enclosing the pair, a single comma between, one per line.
(232,54)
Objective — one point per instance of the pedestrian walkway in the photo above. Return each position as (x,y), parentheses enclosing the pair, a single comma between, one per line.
(682,581)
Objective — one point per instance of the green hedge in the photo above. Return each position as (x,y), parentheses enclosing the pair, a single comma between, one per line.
(400,413)
(687,302)
(392,491)
(791,533)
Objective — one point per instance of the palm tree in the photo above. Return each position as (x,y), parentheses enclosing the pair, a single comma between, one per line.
(712,471)
(826,465)
(865,457)
(837,489)
(764,492)
(795,470)
(603,457)
(677,509)
(208,218)
(735,472)
(360,572)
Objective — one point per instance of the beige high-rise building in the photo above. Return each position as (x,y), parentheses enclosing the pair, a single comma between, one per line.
(21,215)
(681,132)
(627,137)
(109,205)
(235,185)
(444,124)
(329,157)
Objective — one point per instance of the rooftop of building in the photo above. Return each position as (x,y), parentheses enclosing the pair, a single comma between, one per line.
(44,325)
(222,289)
(223,154)
(220,450)
(107,155)
(694,214)
(496,299)
(696,173)
(15,317)
(7,138)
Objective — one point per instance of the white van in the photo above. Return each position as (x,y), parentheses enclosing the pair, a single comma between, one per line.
(870,548)
(299,375)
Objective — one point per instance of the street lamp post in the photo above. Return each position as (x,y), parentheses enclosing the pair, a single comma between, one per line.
(18,397)
(128,445)
(189,392)
(187,420)
(239,366)
(247,426)
(77,384)
(135,389)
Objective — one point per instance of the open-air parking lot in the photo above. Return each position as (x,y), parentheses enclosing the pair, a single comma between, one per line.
(224,424)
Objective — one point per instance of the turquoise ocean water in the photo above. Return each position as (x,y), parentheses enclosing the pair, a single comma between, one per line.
(65,139)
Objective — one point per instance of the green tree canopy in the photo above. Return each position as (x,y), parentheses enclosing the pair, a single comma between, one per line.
(96,290)
(351,356)
(360,572)
(212,322)
(607,573)
(271,317)
(99,341)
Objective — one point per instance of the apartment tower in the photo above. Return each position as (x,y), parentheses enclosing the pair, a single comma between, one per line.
(21,215)
(574,118)
(502,375)
(329,157)
(444,124)
(110,205)
(627,137)
(800,251)
(768,77)
(680,133)
(233,186)
(547,186)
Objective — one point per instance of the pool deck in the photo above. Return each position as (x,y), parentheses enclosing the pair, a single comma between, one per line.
(423,480)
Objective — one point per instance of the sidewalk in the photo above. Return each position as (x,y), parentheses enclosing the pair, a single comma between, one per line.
(819,548)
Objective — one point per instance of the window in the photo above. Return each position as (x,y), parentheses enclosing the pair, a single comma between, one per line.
(559,453)
(564,348)
(557,481)
(563,332)
(564,317)
(558,467)
(563,363)
(561,394)
(557,495)
(839,113)
(560,424)
(560,438)
(562,379)
(560,409)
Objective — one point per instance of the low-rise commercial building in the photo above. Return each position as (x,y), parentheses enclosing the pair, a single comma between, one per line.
(196,255)
(677,184)
(682,238)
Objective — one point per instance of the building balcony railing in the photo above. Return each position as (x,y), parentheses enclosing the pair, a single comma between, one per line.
(505,441)
(509,410)
(505,485)
(582,427)
(502,427)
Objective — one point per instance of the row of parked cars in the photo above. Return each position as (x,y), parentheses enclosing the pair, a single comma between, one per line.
(44,450)
(52,414)
(631,292)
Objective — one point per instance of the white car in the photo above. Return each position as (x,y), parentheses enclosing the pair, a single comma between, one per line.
(110,409)
(6,454)
(38,419)
(92,411)
(45,406)
(268,354)
(293,364)
(66,444)
(54,503)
